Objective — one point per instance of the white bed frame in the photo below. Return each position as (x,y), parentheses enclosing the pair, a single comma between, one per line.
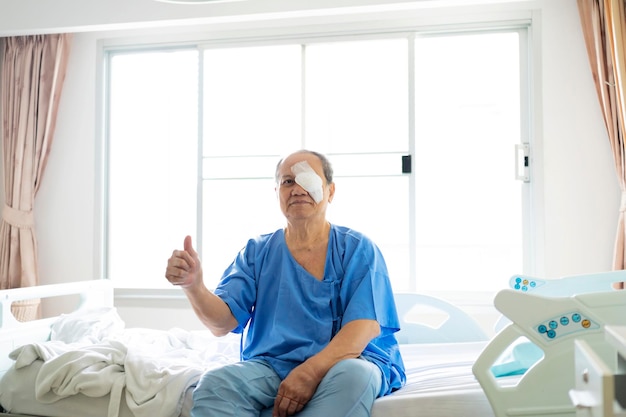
(576,307)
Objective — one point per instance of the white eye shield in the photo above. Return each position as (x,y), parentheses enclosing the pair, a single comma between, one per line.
(308,179)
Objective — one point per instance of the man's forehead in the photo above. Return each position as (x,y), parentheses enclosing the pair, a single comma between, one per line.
(290,161)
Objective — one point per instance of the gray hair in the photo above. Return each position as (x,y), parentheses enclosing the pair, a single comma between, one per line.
(326,165)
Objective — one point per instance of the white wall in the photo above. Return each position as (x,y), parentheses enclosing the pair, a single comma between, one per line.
(581,194)
(578,198)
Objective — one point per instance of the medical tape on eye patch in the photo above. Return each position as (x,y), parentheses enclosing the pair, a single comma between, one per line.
(309,180)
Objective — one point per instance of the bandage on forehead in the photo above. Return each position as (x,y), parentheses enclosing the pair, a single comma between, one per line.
(308,179)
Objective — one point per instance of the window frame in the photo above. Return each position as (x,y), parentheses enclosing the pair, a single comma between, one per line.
(528,95)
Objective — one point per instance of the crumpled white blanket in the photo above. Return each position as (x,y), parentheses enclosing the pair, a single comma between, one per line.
(155,367)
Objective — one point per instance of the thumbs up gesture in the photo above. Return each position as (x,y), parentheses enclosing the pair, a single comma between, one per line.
(183,267)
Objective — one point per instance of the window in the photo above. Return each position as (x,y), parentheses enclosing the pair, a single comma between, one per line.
(467,122)
(194,135)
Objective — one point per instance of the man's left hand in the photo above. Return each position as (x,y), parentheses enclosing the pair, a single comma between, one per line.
(295,391)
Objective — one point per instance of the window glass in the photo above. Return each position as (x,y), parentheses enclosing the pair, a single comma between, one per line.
(152,169)
(252,100)
(356,96)
(468,203)
(453,223)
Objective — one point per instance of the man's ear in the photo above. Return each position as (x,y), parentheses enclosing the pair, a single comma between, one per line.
(331,191)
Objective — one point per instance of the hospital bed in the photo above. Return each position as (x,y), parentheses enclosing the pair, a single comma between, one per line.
(449,374)
(167,364)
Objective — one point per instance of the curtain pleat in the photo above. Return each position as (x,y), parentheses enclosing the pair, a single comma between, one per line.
(33,71)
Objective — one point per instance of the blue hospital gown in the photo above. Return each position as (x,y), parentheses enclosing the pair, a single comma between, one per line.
(291,315)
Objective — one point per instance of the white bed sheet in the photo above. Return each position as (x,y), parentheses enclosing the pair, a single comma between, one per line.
(440,384)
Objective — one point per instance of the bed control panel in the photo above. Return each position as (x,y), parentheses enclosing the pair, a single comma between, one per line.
(568,286)
(565,324)
(524,284)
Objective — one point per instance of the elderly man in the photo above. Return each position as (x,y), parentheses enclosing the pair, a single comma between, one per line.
(318,306)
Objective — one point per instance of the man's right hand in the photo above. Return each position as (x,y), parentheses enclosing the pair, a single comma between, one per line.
(183,267)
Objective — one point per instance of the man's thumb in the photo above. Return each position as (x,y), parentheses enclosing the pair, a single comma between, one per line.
(189,247)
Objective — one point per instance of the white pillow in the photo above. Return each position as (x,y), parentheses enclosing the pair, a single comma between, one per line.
(87,325)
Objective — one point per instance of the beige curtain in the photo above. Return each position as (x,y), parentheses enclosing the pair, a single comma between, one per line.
(33,71)
(603,23)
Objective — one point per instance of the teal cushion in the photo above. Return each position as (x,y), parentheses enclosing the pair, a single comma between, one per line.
(517,359)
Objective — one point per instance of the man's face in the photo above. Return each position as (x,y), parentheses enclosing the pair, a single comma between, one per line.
(302,189)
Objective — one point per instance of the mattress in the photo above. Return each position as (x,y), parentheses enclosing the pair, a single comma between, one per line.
(440,383)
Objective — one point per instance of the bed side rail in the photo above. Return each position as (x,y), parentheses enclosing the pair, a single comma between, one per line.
(91,293)
(13,333)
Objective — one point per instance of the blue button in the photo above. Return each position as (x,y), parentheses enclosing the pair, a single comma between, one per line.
(542,329)
(533,284)
(576,317)
(551,334)
(564,321)
(553,324)
(517,286)
(524,288)
(518,280)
